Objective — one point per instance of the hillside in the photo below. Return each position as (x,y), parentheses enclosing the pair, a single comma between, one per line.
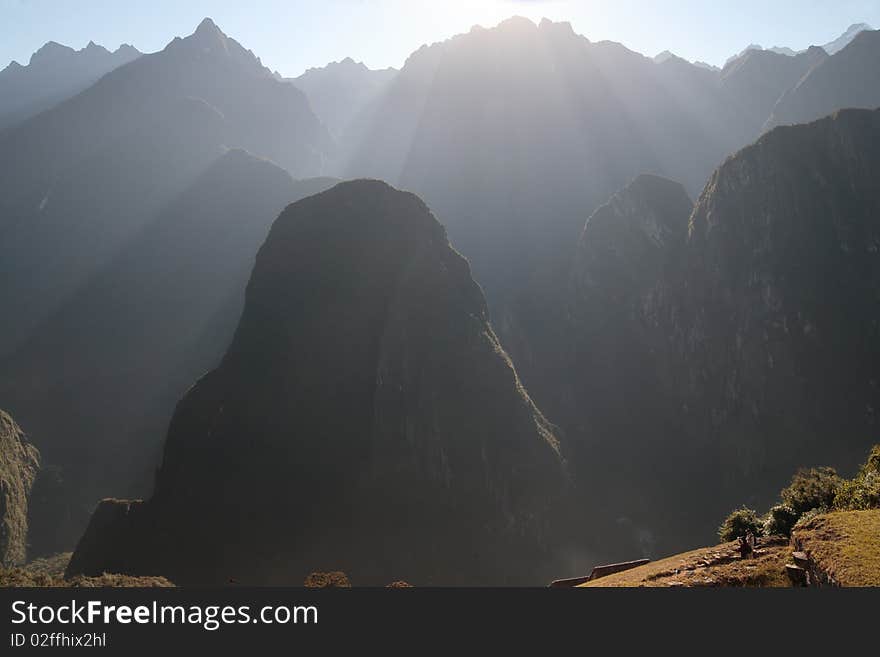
(19,464)
(844,546)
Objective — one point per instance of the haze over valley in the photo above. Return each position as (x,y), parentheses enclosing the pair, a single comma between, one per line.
(529,303)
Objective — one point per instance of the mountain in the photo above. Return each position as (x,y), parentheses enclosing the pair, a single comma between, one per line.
(112,361)
(110,206)
(776,314)
(717,350)
(607,385)
(514,133)
(757,79)
(846,38)
(830,48)
(752,47)
(19,464)
(783,50)
(340,91)
(54,74)
(364,417)
(849,78)
(104,162)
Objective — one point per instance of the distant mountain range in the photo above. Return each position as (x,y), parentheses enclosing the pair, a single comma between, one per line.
(122,198)
(340,91)
(678,353)
(54,74)
(831,47)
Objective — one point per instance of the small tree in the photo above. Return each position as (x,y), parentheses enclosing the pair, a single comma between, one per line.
(863,492)
(739,523)
(858,494)
(811,489)
(779,521)
(872,465)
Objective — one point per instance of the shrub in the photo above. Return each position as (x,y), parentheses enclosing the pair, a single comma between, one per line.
(859,494)
(811,489)
(739,523)
(779,521)
(319,580)
(872,465)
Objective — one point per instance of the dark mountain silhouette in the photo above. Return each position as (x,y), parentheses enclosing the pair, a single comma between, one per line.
(775,317)
(364,416)
(54,74)
(340,91)
(704,357)
(19,464)
(850,78)
(113,360)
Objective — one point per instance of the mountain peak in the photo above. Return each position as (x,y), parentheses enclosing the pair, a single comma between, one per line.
(516,23)
(208,27)
(846,38)
(208,34)
(558,27)
(50,51)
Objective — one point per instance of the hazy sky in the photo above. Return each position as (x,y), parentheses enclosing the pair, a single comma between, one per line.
(291,35)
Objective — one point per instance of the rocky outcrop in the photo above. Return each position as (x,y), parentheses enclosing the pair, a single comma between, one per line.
(19,464)
(365,417)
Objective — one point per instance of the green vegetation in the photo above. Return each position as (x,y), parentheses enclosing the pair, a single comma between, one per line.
(863,492)
(811,493)
(845,545)
(811,489)
(780,520)
(740,523)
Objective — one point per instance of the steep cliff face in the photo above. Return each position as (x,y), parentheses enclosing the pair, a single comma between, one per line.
(19,464)
(777,316)
(703,359)
(604,375)
(365,417)
(628,248)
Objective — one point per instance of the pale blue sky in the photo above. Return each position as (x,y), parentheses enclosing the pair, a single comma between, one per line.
(291,35)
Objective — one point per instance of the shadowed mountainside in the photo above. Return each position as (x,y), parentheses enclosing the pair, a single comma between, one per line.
(364,415)
(708,357)
(112,362)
